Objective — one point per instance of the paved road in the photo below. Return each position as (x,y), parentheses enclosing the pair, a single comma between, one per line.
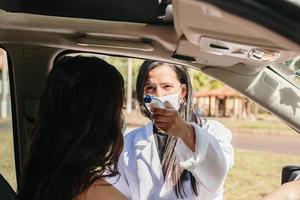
(275,144)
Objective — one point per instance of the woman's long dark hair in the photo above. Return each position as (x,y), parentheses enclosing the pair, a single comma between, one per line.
(169,162)
(77,136)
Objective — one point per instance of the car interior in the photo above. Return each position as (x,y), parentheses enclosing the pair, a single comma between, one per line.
(224,40)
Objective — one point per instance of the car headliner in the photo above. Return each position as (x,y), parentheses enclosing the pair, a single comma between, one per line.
(147,11)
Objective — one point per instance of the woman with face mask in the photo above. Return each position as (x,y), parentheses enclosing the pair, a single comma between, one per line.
(176,155)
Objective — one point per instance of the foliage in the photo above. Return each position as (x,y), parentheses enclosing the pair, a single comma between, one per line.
(121,63)
(200,80)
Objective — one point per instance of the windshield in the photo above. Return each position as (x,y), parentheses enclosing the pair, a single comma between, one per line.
(290,70)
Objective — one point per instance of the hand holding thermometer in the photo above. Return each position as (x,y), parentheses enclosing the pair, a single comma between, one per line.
(153,102)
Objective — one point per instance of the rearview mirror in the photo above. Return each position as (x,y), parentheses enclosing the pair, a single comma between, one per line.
(290,173)
(297,73)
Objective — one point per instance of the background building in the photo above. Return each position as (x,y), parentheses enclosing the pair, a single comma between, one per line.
(224,102)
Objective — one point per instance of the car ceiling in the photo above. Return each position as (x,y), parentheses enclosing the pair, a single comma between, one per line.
(150,11)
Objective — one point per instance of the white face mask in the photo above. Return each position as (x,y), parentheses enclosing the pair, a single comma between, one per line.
(172,98)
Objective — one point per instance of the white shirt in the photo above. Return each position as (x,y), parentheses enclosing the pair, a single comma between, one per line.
(141,176)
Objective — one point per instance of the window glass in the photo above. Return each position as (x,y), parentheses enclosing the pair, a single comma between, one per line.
(258,163)
(7,160)
(290,70)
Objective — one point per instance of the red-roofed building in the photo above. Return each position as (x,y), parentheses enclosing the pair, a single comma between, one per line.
(2,54)
(224,102)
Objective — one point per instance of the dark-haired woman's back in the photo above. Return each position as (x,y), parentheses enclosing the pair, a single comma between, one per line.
(101,190)
(77,137)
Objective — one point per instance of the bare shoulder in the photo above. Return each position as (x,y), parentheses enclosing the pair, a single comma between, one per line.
(287,191)
(101,190)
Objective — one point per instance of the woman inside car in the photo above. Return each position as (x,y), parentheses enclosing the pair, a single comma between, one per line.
(77,137)
(176,155)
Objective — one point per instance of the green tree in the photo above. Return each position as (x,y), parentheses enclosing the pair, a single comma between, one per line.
(200,80)
(203,81)
(121,63)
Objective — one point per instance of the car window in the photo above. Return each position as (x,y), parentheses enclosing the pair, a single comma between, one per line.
(289,70)
(7,160)
(252,129)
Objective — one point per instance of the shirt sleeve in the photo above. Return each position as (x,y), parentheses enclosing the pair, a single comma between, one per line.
(213,155)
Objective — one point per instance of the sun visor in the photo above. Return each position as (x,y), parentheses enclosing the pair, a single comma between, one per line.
(199,20)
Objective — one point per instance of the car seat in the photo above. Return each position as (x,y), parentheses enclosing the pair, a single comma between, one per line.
(6,192)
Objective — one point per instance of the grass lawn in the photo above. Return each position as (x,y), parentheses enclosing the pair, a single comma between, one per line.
(266,125)
(7,163)
(255,174)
